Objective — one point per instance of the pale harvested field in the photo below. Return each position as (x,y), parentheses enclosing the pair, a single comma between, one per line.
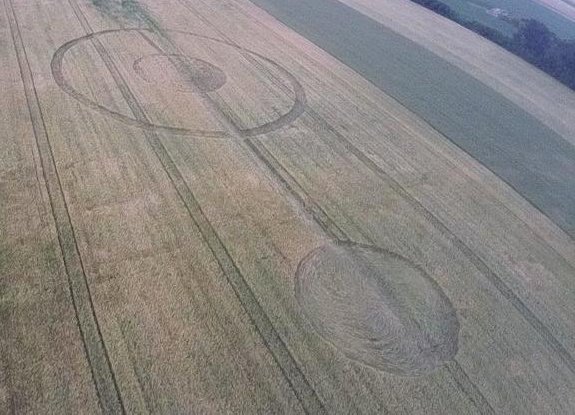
(203,212)
(564,7)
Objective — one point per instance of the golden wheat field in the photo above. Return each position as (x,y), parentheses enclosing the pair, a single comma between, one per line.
(204,211)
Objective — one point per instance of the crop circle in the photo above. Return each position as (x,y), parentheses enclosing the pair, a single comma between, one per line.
(377,308)
(164,70)
(297,108)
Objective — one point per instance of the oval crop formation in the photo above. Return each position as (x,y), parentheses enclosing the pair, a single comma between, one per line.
(378,308)
(167,71)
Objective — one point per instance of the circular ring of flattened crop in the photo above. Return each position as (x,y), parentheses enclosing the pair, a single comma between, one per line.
(377,308)
(297,108)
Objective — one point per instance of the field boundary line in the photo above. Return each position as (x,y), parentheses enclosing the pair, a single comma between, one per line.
(103,376)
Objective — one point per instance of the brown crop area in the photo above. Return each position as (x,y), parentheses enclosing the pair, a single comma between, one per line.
(201,211)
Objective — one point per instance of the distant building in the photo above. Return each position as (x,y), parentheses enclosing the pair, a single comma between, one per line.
(497,12)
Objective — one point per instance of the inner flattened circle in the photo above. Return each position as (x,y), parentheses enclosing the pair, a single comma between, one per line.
(180,72)
(377,308)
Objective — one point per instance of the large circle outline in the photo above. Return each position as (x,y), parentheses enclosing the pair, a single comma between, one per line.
(297,109)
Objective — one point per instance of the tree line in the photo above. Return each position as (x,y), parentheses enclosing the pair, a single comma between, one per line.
(532,41)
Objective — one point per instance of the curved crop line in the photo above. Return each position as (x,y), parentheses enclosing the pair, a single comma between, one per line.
(295,111)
